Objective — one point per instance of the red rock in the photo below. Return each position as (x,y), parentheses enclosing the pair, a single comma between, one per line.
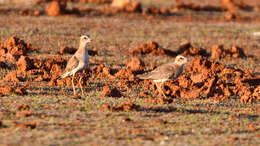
(217,51)
(67,49)
(125,74)
(110,92)
(11,77)
(24,64)
(135,64)
(56,8)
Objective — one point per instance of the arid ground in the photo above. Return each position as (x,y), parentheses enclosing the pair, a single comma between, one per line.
(214,102)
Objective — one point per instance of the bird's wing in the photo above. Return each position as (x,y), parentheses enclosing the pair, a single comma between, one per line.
(71,64)
(164,71)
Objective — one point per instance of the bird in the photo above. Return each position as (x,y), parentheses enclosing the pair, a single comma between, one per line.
(164,72)
(257,35)
(78,62)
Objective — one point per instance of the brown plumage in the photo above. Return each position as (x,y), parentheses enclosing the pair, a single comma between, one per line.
(163,72)
(166,71)
(78,61)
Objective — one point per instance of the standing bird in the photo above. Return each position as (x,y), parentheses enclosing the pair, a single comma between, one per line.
(257,35)
(78,62)
(165,72)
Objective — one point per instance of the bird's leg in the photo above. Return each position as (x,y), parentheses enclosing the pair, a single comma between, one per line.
(73,84)
(162,90)
(158,88)
(82,92)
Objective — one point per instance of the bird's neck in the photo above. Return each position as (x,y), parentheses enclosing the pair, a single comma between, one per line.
(83,46)
(181,67)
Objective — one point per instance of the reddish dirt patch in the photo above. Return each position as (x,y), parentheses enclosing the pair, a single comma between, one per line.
(159,100)
(120,3)
(72,50)
(148,48)
(181,5)
(30,12)
(133,7)
(25,113)
(125,74)
(256,93)
(114,92)
(12,77)
(9,90)
(231,16)
(20,91)
(151,48)
(24,64)
(143,94)
(56,8)
(41,69)
(235,52)
(121,7)
(205,78)
(13,48)
(152,10)
(68,80)
(127,106)
(22,107)
(67,50)
(96,1)
(102,71)
(27,125)
(135,64)
(6,90)
(218,52)
(232,9)
(186,48)
(23,110)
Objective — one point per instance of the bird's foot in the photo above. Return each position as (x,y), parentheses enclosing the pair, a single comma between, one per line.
(77,96)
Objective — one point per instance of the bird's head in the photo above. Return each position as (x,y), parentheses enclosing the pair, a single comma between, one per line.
(85,39)
(181,60)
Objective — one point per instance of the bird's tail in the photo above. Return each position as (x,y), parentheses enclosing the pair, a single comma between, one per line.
(64,75)
(142,76)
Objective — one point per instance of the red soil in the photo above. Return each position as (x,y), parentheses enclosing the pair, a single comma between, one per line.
(67,50)
(181,5)
(125,74)
(151,48)
(56,8)
(111,92)
(205,78)
(186,48)
(218,52)
(202,78)
(159,100)
(12,77)
(25,125)
(12,90)
(135,64)
(13,48)
(209,79)
(22,107)
(96,1)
